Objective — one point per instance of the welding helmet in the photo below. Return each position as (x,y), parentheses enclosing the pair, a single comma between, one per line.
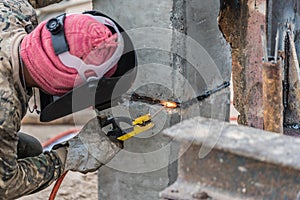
(97,91)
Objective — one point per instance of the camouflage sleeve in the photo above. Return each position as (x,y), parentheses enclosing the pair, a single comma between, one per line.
(42,3)
(23,176)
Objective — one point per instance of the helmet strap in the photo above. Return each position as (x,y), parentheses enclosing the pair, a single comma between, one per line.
(25,88)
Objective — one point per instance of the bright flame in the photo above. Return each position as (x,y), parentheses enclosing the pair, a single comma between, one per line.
(169,104)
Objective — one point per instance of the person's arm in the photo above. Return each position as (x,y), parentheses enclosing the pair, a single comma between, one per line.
(42,3)
(19,177)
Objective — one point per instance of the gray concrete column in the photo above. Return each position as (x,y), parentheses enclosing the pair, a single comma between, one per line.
(181,53)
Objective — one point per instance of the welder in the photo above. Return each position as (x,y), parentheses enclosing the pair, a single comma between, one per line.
(29,58)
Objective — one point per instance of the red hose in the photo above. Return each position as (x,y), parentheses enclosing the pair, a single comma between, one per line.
(61,178)
(61,135)
(57,186)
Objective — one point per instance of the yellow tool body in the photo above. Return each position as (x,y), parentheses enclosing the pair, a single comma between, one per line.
(142,120)
(140,125)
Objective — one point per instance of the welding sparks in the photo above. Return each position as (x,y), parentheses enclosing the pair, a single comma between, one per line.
(169,104)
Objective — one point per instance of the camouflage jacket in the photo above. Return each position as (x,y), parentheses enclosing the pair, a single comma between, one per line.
(18,177)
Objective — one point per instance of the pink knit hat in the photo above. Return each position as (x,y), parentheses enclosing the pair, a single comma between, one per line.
(88,40)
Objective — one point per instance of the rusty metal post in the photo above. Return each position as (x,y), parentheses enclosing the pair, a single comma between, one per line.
(292,112)
(272,96)
(284,16)
(240,22)
(245,163)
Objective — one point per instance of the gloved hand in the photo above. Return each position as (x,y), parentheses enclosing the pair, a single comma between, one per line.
(90,149)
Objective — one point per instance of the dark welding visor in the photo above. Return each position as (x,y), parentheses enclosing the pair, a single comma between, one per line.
(100,93)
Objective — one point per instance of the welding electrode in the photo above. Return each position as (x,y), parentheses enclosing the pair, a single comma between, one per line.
(174,104)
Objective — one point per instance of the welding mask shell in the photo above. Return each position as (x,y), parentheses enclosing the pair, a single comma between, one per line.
(100,93)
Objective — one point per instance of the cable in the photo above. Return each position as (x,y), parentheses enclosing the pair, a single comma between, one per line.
(59,136)
(49,142)
(57,186)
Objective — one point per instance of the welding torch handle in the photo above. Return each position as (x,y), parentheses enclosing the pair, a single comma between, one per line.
(145,99)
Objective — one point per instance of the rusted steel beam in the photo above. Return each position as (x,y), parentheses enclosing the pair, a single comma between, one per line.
(244,163)
(272,96)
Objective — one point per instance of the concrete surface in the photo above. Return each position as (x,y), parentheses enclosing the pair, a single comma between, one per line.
(181,53)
